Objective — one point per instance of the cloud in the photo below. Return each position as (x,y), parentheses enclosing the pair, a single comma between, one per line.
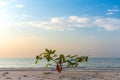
(71,23)
(4,6)
(3,15)
(13,0)
(62,23)
(23,16)
(19,5)
(78,19)
(3,3)
(112,11)
(109,24)
(7,5)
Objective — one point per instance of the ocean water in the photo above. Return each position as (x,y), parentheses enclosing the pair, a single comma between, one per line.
(30,63)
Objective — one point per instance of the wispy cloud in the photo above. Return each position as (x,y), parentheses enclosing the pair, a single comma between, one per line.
(23,16)
(19,5)
(13,0)
(4,3)
(6,8)
(112,11)
(3,15)
(8,4)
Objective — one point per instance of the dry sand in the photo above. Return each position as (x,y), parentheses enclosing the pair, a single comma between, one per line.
(51,74)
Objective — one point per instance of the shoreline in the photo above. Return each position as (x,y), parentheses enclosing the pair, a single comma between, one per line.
(64,69)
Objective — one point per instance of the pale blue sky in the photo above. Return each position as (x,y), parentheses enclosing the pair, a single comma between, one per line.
(85,27)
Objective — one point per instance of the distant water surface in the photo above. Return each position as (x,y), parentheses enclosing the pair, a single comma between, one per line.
(29,63)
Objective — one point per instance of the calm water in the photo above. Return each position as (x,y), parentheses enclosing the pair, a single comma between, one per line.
(29,62)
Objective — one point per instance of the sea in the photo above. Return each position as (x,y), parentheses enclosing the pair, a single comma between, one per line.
(30,63)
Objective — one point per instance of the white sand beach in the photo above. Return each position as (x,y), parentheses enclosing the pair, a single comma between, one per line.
(49,74)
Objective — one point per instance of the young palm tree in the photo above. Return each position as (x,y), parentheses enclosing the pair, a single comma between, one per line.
(61,60)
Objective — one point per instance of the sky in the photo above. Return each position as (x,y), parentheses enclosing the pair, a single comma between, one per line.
(83,27)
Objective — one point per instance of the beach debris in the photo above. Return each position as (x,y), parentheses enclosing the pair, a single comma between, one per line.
(19,78)
(61,77)
(58,68)
(8,78)
(4,74)
(25,75)
(47,73)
